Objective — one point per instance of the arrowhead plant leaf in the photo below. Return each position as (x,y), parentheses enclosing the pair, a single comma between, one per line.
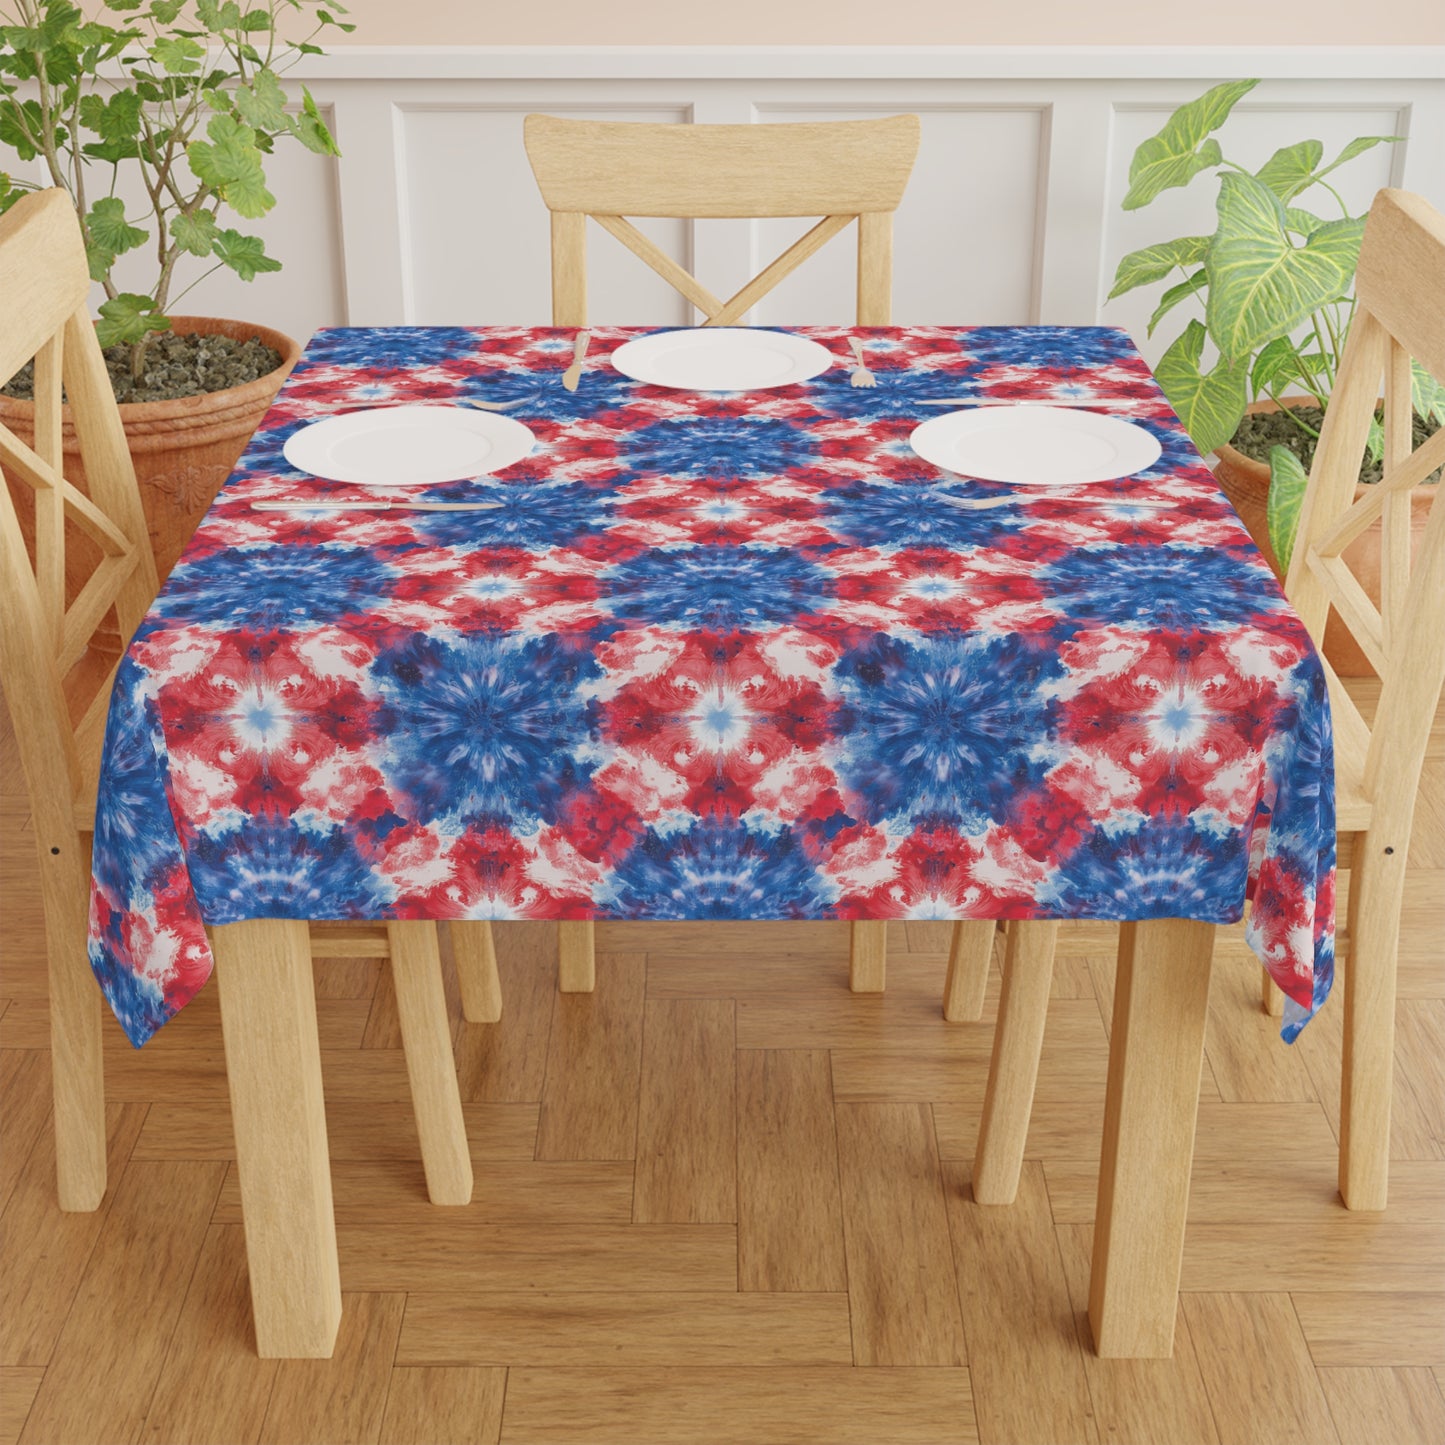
(1210,404)
(1287,482)
(1153,263)
(1291,169)
(1260,285)
(1191,286)
(1179,152)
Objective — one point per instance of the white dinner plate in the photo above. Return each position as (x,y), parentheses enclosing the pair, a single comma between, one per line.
(722,358)
(408,446)
(1035,446)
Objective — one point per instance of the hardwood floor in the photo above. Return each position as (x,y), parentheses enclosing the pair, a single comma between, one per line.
(724,1200)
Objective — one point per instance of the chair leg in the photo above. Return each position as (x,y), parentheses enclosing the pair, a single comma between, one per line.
(426,1036)
(576,957)
(1271,1000)
(969,954)
(273,1069)
(1377,886)
(1151,1105)
(1017,1042)
(476,962)
(75,1018)
(868,957)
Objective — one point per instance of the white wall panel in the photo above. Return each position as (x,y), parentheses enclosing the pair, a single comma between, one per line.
(431,215)
(476,235)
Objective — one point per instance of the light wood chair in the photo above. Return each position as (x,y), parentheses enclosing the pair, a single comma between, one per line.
(58,686)
(840,170)
(1399,316)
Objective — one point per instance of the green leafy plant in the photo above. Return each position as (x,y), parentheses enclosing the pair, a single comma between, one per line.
(1274,278)
(189,95)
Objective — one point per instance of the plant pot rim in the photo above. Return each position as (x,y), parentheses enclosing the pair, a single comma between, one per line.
(1258,471)
(207,416)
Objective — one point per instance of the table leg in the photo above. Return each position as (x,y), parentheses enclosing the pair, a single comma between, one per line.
(868,957)
(273,1067)
(426,1037)
(1156,1053)
(1017,1042)
(969,954)
(476,961)
(576,957)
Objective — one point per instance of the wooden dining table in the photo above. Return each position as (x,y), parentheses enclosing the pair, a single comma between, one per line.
(718,656)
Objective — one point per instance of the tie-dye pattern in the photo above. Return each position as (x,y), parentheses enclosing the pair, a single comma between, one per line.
(715,656)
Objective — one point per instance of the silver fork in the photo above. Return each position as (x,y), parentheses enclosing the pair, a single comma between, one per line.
(861,376)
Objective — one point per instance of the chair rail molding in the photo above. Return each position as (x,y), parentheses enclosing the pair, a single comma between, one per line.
(1013,215)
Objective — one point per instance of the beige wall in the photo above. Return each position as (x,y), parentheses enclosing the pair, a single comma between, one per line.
(894,22)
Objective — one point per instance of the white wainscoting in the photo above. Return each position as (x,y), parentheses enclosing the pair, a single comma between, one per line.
(1012,215)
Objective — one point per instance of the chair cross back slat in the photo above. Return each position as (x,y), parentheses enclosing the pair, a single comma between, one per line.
(44,637)
(1402,256)
(842,171)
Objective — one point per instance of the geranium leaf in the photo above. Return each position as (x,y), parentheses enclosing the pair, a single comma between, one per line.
(1153,263)
(1287,482)
(195,234)
(128,318)
(109,228)
(1261,286)
(245,255)
(177,55)
(1210,404)
(230,163)
(1175,156)
(262,103)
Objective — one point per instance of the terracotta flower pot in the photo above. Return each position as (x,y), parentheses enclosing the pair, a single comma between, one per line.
(1246,483)
(183,449)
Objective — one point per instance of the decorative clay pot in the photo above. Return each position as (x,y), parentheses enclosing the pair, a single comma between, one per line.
(1246,483)
(183,450)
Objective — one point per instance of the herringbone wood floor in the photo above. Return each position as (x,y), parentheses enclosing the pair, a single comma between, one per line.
(723,1200)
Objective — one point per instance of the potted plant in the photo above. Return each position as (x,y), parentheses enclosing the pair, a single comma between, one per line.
(188,99)
(1274,280)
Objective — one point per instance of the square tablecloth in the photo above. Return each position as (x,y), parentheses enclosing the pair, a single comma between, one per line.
(725,656)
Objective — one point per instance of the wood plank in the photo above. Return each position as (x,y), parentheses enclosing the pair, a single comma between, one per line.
(24,1112)
(1252,1188)
(1403,1406)
(790,1213)
(630,1329)
(1360,1251)
(1242,1042)
(461,1252)
(687,1120)
(1017,1313)
(377,1132)
(444,1407)
(1258,1372)
(340,1400)
(391,1191)
(129,1301)
(506,1062)
(594,1064)
(213,1388)
(901,1287)
(18,1388)
(1369,1327)
(803,974)
(44,1251)
(795,1406)
(1137,1402)
(820,940)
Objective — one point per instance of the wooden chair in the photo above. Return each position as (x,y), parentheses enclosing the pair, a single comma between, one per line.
(1400,290)
(58,691)
(1400,315)
(841,170)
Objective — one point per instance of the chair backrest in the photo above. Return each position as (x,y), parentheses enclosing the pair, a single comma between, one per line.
(609,170)
(1400,315)
(57,703)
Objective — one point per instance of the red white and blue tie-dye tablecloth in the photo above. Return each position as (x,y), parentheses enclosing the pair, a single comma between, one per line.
(715,656)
